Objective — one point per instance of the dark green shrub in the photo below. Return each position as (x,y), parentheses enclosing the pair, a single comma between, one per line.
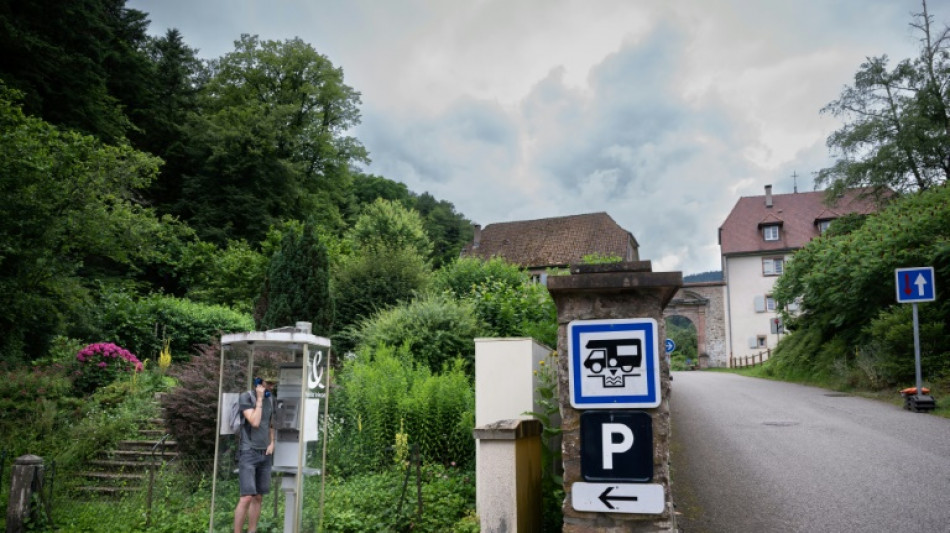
(298,283)
(436,329)
(142,324)
(372,281)
(891,343)
(465,274)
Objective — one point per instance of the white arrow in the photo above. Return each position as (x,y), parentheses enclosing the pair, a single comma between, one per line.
(921,282)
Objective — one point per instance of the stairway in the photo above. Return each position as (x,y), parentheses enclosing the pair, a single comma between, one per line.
(125,469)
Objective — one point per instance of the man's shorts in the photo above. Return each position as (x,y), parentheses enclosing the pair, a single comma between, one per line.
(254,472)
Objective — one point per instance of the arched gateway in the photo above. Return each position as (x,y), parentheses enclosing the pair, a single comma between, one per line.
(702,303)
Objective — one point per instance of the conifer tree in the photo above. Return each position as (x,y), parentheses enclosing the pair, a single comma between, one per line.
(298,283)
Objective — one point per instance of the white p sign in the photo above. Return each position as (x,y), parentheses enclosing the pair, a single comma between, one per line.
(610,447)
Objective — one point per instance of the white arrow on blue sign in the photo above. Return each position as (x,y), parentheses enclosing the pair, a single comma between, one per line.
(670,345)
(915,285)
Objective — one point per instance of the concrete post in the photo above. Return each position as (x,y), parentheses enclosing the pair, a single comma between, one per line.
(613,291)
(508,487)
(26,480)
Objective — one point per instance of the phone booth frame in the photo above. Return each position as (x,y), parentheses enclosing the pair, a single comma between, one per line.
(300,414)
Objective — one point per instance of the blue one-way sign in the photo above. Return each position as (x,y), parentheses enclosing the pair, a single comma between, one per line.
(915,285)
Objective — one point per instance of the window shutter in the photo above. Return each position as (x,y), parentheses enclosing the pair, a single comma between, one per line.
(759,303)
(753,342)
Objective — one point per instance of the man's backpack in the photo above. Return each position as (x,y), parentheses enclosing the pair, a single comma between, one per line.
(235,417)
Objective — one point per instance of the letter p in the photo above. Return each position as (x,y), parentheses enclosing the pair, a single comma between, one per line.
(610,447)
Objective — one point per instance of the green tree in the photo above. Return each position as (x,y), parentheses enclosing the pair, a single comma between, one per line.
(171,102)
(298,283)
(67,206)
(270,142)
(78,63)
(386,225)
(898,132)
(387,264)
(844,284)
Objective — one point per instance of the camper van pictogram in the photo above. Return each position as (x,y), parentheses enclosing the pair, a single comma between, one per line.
(618,356)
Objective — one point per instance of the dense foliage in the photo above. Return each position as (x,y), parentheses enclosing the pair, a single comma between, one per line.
(897,136)
(387,394)
(67,218)
(298,283)
(843,284)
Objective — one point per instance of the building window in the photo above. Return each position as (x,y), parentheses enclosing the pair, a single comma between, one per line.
(769,302)
(823,226)
(770,232)
(773,266)
(760,340)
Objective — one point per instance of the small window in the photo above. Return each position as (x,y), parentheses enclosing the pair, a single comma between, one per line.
(823,226)
(773,266)
(769,303)
(761,341)
(770,233)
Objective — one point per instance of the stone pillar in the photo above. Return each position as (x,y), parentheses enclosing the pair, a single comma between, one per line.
(508,488)
(26,480)
(614,291)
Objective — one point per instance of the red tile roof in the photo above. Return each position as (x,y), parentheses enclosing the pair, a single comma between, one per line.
(797,213)
(558,241)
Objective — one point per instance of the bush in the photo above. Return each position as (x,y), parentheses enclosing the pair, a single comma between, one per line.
(100,364)
(448,501)
(142,324)
(465,274)
(504,298)
(373,281)
(382,394)
(435,328)
(891,341)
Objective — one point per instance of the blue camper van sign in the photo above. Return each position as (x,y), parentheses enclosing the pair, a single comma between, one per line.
(614,363)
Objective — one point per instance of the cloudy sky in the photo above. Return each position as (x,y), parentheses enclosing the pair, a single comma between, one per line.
(661,113)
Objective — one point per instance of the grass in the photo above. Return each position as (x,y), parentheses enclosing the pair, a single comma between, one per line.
(941,390)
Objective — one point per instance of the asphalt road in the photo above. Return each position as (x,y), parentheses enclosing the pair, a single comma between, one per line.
(752,455)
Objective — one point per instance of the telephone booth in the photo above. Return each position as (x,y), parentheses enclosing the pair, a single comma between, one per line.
(298,362)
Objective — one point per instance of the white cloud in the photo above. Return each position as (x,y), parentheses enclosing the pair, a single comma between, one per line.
(660,113)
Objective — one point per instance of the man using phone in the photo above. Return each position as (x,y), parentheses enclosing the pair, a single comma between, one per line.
(255,452)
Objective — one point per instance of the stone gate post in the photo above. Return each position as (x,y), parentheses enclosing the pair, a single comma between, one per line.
(610,292)
(26,480)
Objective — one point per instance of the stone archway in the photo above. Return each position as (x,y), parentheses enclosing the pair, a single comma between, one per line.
(702,304)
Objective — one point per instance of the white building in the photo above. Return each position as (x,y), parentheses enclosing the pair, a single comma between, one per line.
(757,239)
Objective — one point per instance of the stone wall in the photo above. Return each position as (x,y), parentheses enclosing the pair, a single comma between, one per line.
(704,304)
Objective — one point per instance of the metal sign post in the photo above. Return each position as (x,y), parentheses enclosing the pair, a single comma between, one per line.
(916,285)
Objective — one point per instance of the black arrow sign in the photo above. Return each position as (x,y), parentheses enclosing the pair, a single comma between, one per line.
(605,497)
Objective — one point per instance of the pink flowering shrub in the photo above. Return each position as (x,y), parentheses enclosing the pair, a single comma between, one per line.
(101,363)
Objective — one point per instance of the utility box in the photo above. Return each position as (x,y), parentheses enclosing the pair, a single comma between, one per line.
(505,380)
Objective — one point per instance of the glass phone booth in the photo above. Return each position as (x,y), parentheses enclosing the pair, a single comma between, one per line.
(299,362)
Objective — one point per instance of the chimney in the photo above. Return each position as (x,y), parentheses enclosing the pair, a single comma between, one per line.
(768,196)
(478,235)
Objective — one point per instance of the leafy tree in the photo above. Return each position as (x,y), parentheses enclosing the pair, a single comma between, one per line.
(67,207)
(449,231)
(898,134)
(387,263)
(386,225)
(298,283)
(171,101)
(843,284)
(271,142)
(77,63)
